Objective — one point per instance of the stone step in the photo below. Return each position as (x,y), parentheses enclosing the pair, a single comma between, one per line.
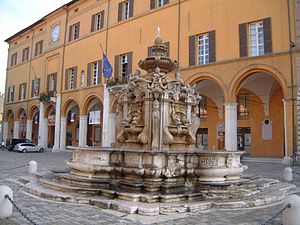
(80,180)
(64,187)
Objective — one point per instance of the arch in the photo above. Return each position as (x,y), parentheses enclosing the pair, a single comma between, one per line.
(68,105)
(87,101)
(20,110)
(199,76)
(32,111)
(48,109)
(9,113)
(245,72)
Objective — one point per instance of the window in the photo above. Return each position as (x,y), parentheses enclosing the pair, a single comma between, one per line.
(71,78)
(124,67)
(94,74)
(11,91)
(22,91)
(97,21)
(35,89)
(13,59)
(25,56)
(203,108)
(158,3)
(203,49)
(256,38)
(243,104)
(125,10)
(51,83)
(38,48)
(74,31)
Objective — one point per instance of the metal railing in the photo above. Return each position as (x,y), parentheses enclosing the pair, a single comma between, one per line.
(271,220)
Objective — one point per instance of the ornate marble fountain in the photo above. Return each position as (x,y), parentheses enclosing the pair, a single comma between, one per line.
(155,146)
(154,159)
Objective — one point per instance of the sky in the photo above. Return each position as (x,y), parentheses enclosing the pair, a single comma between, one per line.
(16,15)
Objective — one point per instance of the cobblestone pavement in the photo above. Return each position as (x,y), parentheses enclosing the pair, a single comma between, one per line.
(46,212)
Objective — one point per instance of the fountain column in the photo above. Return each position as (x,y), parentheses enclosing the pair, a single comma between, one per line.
(82,130)
(231,126)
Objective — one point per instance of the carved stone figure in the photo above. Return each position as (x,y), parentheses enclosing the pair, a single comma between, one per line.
(155,125)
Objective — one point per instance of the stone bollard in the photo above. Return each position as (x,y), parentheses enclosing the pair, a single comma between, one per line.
(6,208)
(32,168)
(288,174)
(291,216)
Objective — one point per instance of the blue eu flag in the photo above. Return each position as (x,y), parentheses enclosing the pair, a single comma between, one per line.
(107,69)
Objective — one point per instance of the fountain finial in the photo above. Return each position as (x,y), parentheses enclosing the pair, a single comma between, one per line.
(158,31)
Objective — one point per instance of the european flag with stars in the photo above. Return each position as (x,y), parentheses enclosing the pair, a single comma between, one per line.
(107,69)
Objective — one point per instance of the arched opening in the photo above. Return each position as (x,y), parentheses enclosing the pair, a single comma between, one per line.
(22,123)
(72,123)
(34,116)
(50,115)
(10,124)
(94,110)
(260,115)
(211,132)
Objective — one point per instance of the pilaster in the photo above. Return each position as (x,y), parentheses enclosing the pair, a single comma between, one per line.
(63,127)
(16,129)
(29,129)
(56,146)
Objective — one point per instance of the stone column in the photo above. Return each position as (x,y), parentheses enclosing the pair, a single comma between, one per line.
(57,131)
(29,129)
(4,131)
(82,130)
(16,129)
(112,128)
(231,126)
(105,117)
(63,127)
(43,134)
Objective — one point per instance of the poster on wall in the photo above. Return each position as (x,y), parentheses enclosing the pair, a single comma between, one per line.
(51,120)
(267,129)
(94,117)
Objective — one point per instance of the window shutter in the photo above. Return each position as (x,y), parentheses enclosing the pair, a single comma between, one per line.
(192,50)
(167,44)
(41,47)
(20,91)
(32,88)
(23,56)
(55,81)
(89,74)
(99,72)
(48,83)
(243,39)
(131,7)
(75,77)
(166,1)
(129,55)
(149,51)
(267,35)
(78,30)
(120,11)
(212,46)
(39,86)
(117,67)
(25,89)
(93,23)
(102,19)
(70,33)
(66,80)
(36,49)
(152,4)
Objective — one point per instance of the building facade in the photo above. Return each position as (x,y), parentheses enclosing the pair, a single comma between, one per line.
(242,56)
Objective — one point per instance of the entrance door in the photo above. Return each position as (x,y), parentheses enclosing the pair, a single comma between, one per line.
(244,139)
(202,138)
